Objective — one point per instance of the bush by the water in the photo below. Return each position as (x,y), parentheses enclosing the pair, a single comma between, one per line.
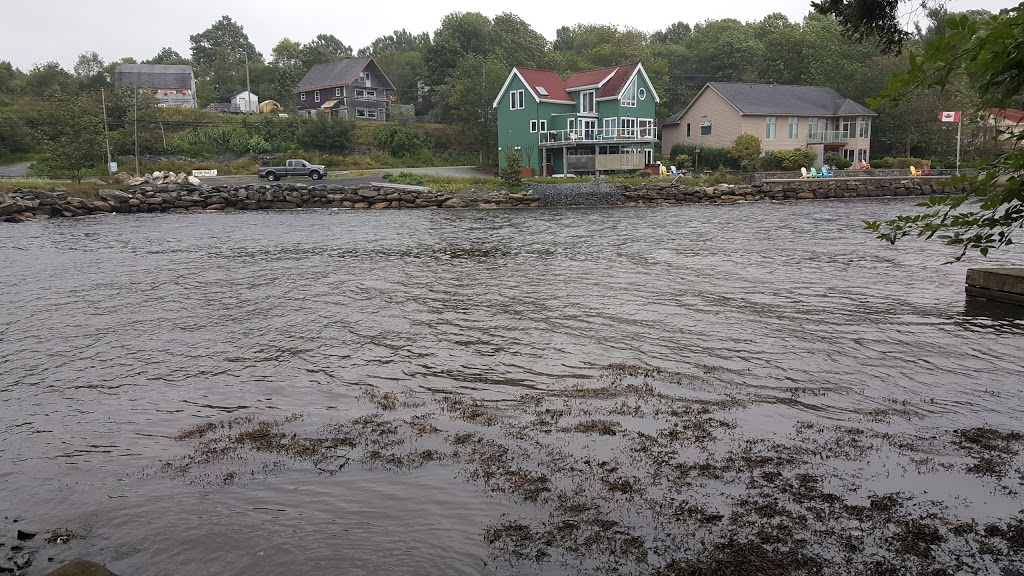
(788,160)
(706,157)
(836,159)
(897,163)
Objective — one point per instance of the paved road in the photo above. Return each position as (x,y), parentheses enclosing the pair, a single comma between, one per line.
(358,177)
(19,169)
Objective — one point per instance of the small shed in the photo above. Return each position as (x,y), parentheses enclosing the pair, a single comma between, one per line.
(246,102)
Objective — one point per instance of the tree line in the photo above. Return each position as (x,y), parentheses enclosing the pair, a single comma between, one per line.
(455,73)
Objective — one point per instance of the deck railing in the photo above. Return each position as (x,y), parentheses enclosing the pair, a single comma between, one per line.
(829,136)
(598,136)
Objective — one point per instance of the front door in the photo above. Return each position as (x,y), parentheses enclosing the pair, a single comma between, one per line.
(588,128)
(649,156)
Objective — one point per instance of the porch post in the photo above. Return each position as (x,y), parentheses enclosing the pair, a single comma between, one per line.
(565,161)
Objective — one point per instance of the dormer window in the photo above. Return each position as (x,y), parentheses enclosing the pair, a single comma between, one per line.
(587,102)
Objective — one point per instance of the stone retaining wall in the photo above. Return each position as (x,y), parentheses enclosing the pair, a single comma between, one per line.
(29,204)
(26,204)
(666,193)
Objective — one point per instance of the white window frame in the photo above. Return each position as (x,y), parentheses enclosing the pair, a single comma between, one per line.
(794,128)
(302,96)
(337,92)
(646,128)
(609,127)
(864,127)
(517,100)
(570,127)
(316,96)
(533,126)
(543,126)
(629,127)
(629,95)
(769,127)
(641,93)
(588,102)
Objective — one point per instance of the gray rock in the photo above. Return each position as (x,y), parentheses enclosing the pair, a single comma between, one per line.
(193,181)
(114,195)
(135,181)
(454,203)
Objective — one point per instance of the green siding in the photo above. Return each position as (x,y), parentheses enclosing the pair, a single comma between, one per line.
(514,125)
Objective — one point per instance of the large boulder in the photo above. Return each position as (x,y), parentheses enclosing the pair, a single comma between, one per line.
(114,195)
(135,181)
(193,181)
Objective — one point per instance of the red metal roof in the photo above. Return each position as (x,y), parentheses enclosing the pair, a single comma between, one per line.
(1010,114)
(617,82)
(549,80)
(589,77)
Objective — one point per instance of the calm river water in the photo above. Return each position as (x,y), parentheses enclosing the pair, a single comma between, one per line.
(117,333)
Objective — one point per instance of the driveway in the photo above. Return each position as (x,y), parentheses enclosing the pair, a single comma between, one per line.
(15,170)
(359,177)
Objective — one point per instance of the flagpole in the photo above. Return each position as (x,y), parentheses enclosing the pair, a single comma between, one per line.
(960,122)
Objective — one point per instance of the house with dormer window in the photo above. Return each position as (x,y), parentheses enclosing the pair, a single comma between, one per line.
(354,88)
(596,121)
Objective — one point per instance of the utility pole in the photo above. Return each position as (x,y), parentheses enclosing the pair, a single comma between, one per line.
(959,124)
(136,131)
(248,90)
(106,134)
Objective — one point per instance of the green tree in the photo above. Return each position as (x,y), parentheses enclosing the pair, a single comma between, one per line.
(746,150)
(327,136)
(398,41)
(323,49)
(167,55)
(12,80)
(48,76)
(15,137)
(73,133)
(218,55)
(990,53)
(400,141)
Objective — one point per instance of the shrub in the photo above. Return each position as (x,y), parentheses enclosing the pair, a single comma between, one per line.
(745,151)
(836,159)
(327,135)
(898,163)
(705,157)
(789,160)
(512,173)
(401,141)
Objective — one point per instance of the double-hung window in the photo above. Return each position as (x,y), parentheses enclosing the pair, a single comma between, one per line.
(517,100)
(794,127)
(587,102)
(533,126)
(769,127)
(316,96)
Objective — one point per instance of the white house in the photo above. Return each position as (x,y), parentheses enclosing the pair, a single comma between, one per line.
(246,102)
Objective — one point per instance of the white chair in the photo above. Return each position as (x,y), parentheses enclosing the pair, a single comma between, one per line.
(804,173)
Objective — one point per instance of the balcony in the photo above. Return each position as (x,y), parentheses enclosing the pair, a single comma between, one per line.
(553,138)
(828,137)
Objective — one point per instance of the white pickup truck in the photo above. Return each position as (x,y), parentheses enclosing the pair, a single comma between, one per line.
(293,168)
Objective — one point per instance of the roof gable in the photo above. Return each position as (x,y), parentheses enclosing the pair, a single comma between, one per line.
(1008,114)
(341,73)
(590,78)
(543,85)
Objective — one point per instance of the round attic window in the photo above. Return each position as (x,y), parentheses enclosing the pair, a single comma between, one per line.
(641,93)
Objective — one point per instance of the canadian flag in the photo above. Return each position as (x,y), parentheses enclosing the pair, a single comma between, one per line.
(949,116)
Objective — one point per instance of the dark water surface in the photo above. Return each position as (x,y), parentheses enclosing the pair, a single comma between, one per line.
(116,333)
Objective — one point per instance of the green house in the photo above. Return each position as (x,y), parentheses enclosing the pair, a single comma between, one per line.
(596,121)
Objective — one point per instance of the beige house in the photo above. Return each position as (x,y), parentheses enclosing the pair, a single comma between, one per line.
(783,117)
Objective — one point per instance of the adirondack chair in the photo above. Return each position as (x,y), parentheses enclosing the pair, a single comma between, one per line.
(676,173)
(825,173)
(814,173)
(804,173)
(914,171)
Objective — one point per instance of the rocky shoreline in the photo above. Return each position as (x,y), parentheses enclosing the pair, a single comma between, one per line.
(169,196)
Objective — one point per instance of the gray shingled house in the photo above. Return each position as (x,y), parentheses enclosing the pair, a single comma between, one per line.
(352,88)
(174,85)
(783,117)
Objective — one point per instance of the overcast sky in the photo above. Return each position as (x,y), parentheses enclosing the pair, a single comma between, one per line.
(36,32)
